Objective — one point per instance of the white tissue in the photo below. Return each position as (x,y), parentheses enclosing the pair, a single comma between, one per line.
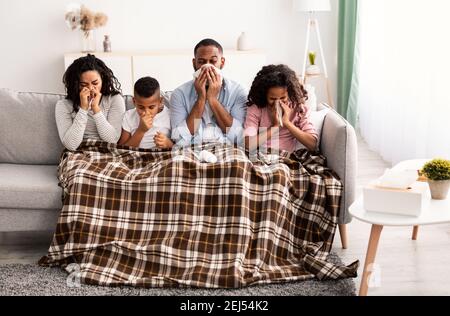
(206,156)
(269,159)
(397,179)
(198,72)
(279,113)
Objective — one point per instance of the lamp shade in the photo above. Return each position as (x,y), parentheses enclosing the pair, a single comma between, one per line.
(312,5)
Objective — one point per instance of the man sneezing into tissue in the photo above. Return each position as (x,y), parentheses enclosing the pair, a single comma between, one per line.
(209,108)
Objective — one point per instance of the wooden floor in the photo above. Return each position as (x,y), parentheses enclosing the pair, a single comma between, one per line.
(405,267)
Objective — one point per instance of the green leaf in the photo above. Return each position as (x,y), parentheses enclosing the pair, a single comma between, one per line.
(312,58)
(437,170)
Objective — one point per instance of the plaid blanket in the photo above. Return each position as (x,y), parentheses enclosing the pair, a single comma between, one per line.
(152,218)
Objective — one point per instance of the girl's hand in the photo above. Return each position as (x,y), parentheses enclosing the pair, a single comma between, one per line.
(287,113)
(84,98)
(273,115)
(162,141)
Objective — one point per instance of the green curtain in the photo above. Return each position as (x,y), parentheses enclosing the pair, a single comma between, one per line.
(347,73)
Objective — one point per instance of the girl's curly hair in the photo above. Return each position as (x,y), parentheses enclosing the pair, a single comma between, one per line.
(72,77)
(277,76)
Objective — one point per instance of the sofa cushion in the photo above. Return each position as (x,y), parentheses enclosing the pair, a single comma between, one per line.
(128,102)
(29,187)
(28,132)
(317,119)
(16,220)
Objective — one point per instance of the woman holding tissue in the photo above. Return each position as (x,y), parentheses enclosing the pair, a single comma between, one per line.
(94,106)
(277,116)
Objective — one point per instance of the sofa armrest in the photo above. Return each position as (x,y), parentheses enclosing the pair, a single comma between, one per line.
(339,146)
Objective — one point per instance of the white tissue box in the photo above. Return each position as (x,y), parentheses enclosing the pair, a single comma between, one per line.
(409,202)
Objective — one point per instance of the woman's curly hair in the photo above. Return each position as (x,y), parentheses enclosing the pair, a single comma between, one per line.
(277,76)
(72,77)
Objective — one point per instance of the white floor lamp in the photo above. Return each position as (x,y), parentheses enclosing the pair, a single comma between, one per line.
(312,6)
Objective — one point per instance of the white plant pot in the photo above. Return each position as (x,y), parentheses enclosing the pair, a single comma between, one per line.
(313,70)
(439,189)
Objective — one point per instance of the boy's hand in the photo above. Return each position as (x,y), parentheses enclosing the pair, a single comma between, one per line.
(145,123)
(162,141)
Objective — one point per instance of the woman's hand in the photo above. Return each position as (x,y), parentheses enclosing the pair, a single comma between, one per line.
(84,98)
(162,141)
(95,97)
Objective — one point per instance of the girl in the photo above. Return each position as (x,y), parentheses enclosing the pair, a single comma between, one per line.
(277,88)
(93,108)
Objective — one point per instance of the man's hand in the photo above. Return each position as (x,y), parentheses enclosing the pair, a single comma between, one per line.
(199,107)
(162,141)
(215,84)
(145,123)
(200,85)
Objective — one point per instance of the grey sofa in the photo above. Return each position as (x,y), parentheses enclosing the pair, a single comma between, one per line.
(30,199)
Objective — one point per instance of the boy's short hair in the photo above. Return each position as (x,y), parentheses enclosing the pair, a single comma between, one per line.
(146,87)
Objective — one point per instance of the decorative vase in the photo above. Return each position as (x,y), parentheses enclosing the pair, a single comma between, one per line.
(243,42)
(88,41)
(439,189)
(107,44)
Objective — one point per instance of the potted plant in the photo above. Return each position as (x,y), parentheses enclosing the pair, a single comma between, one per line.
(312,69)
(438,173)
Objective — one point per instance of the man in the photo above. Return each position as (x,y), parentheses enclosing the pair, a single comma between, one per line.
(209,108)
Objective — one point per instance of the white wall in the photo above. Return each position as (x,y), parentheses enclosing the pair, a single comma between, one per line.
(34,36)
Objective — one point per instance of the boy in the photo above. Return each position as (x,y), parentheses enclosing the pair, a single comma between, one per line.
(148,125)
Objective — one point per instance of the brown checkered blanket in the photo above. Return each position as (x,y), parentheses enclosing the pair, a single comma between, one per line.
(150,218)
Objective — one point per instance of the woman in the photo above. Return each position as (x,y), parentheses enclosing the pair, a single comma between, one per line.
(94,106)
(277,116)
